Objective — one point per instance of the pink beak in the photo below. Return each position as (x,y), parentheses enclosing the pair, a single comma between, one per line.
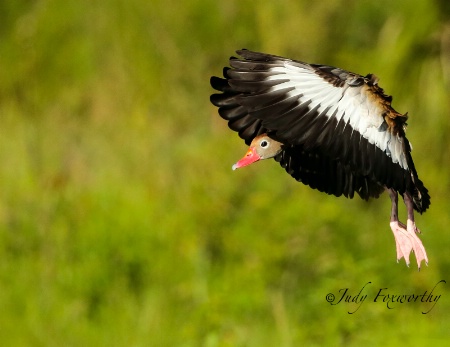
(250,157)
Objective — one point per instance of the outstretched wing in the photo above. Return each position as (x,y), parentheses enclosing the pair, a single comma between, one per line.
(336,113)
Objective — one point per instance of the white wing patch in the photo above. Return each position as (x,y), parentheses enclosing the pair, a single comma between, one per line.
(350,103)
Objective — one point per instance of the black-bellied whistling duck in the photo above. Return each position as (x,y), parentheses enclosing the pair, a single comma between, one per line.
(331,129)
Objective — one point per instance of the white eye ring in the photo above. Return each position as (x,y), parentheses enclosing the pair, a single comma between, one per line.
(264,143)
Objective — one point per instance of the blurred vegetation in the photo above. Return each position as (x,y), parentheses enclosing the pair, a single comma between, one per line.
(121,222)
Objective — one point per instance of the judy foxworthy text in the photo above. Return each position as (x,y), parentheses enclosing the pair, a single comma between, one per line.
(383,295)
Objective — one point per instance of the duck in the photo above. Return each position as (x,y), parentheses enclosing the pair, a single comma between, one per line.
(330,129)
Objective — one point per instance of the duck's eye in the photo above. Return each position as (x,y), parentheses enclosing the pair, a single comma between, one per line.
(264,144)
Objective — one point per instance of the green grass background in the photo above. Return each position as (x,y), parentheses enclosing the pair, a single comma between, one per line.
(121,222)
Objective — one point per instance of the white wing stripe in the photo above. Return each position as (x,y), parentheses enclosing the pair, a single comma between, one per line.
(351,104)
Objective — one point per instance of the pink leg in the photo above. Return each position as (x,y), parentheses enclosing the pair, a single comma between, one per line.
(419,249)
(405,235)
